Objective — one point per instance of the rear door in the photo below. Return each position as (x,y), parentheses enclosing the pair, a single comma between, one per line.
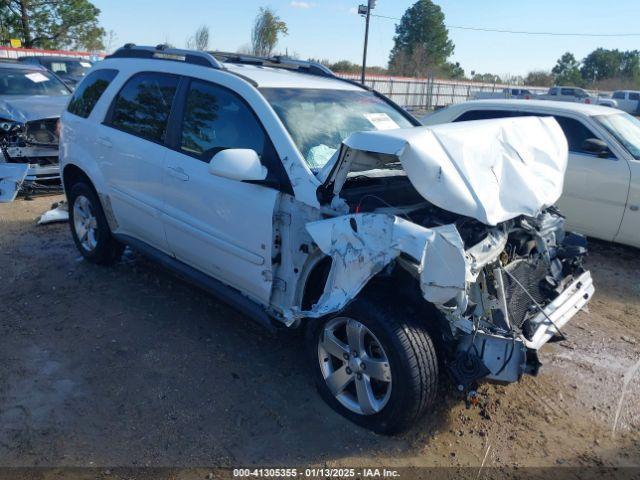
(137,125)
(219,226)
(630,229)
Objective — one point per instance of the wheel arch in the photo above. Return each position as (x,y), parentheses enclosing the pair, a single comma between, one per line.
(71,174)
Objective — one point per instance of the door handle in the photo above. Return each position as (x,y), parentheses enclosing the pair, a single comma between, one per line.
(105,142)
(179,173)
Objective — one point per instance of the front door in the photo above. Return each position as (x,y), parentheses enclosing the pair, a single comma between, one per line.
(219,226)
(595,188)
(137,124)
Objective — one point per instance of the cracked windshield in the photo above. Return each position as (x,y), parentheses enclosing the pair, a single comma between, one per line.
(319,120)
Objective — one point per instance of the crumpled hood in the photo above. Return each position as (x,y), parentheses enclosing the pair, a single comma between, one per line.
(34,107)
(491,170)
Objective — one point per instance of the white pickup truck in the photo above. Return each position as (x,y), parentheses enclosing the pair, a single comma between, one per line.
(628,100)
(575,94)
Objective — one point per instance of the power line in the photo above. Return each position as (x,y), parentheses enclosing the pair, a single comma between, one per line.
(522,32)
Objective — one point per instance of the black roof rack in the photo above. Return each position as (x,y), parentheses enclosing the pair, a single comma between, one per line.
(164,52)
(275,62)
(216,59)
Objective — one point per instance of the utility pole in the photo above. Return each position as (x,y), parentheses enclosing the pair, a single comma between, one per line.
(366,10)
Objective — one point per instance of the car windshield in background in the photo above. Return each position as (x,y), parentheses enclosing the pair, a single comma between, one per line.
(69,67)
(625,128)
(319,120)
(30,82)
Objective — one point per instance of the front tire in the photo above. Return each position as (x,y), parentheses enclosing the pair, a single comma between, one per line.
(89,226)
(374,364)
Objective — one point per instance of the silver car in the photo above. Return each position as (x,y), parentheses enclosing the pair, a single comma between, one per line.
(31,102)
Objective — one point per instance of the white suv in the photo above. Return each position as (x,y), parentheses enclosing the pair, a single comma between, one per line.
(308,201)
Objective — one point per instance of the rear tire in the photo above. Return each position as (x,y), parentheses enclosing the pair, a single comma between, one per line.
(400,392)
(89,226)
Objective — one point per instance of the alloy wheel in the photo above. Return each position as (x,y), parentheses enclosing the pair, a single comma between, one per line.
(354,366)
(85,223)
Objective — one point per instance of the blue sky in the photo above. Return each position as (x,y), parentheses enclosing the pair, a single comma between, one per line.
(330,28)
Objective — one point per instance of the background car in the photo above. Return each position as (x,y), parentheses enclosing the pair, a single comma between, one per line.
(575,94)
(519,93)
(70,69)
(601,195)
(31,101)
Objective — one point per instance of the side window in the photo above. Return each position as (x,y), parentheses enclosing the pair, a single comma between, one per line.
(575,132)
(216,119)
(618,95)
(634,96)
(553,91)
(89,92)
(567,91)
(143,105)
(483,115)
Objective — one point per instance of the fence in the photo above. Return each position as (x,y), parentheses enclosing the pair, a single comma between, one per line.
(430,93)
(14,53)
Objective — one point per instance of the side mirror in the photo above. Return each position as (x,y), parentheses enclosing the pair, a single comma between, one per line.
(596,146)
(238,164)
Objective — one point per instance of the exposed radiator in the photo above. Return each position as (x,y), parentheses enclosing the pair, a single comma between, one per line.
(530,275)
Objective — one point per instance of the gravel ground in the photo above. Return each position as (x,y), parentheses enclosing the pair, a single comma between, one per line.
(128,366)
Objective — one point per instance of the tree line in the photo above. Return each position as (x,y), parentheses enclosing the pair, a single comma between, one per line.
(422,46)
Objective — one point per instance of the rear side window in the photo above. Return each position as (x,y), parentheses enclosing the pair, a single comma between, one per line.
(216,119)
(143,105)
(484,115)
(89,92)
(618,95)
(567,91)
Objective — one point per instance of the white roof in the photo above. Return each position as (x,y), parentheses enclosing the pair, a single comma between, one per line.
(550,105)
(268,77)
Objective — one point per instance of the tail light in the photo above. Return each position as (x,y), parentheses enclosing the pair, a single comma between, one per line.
(588,100)
(58,128)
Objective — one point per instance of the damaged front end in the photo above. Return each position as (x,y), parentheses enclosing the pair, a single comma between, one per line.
(528,281)
(467,212)
(28,157)
(500,298)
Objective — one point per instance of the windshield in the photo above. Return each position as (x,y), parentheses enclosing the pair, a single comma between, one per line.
(30,82)
(68,67)
(625,128)
(319,120)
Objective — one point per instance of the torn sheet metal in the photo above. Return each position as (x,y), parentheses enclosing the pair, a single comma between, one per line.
(362,245)
(11,177)
(491,170)
(59,213)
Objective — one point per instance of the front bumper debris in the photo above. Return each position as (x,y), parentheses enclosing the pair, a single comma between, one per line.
(560,311)
(12,176)
(483,355)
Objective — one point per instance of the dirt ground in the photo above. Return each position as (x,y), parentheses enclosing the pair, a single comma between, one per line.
(128,366)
